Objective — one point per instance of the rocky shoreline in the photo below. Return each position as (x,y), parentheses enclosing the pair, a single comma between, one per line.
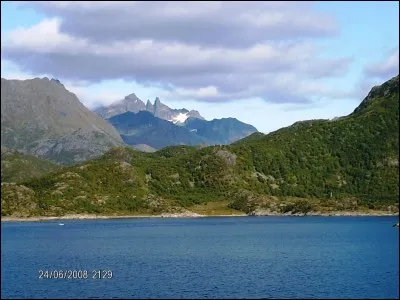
(261,212)
(189,214)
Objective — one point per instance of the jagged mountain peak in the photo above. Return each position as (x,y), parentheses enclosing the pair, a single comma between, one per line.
(130,103)
(132,97)
(133,104)
(149,106)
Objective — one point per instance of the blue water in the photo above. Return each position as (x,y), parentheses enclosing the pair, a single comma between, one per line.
(238,257)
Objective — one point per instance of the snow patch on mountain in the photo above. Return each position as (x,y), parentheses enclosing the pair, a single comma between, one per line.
(180,118)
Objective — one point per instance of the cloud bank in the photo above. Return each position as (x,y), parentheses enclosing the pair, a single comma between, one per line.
(207,51)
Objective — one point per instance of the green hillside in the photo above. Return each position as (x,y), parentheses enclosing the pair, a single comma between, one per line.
(355,155)
(346,164)
(17,167)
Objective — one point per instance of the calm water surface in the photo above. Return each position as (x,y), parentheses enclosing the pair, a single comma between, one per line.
(238,257)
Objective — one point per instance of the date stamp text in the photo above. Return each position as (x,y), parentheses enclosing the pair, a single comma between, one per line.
(75,274)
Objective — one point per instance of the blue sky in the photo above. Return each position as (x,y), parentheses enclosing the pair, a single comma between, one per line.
(270,66)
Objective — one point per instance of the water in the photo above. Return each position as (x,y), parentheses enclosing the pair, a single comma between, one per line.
(238,257)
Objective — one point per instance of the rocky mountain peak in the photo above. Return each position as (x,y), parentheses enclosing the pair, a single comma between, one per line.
(149,106)
(130,103)
(133,104)
(58,82)
(132,97)
(55,80)
(43,118)
(195,114)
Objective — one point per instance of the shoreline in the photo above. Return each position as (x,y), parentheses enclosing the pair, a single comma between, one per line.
(191,215)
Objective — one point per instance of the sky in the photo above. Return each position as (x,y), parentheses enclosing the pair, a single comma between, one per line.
(269,64)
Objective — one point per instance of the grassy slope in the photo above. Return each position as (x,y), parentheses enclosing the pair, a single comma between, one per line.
(298,168)
(17,167)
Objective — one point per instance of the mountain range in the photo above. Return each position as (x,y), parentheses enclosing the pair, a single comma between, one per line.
(42,118)
(132,103)
(157,126)
(321,166)
(144,128)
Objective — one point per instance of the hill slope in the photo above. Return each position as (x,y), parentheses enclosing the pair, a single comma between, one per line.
(356,155)
(317,165)
(16,166)
(41,117)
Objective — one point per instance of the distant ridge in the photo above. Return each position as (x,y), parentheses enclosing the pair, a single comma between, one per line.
(145,128)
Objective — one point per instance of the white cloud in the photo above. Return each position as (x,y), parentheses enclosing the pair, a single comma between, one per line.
(386,68)
(44,37)
(209,51)
(204,92)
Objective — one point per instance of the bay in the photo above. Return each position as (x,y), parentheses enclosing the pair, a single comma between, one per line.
(214,257)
